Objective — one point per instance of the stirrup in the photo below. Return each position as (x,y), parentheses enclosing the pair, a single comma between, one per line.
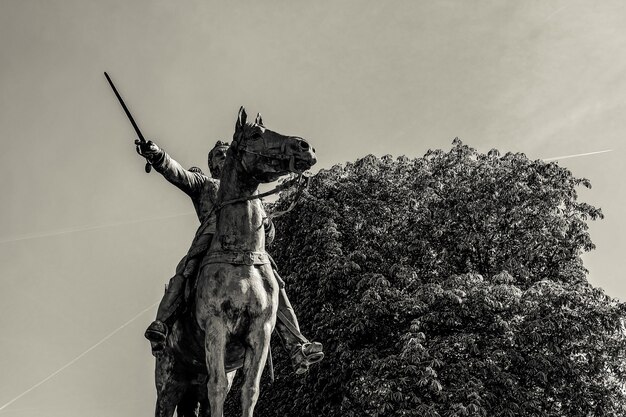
(157,348)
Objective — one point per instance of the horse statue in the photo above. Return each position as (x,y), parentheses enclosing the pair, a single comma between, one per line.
(233,311)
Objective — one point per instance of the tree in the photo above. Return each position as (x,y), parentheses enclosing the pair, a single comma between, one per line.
(447,285)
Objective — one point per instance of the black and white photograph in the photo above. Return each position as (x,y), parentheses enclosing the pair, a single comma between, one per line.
(301,209)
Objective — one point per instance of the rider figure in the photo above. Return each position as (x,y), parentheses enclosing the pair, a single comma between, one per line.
(203,192)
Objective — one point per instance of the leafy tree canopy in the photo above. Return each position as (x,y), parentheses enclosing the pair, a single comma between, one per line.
(447,285)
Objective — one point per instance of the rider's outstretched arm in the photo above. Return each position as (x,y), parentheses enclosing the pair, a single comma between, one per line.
(187,181)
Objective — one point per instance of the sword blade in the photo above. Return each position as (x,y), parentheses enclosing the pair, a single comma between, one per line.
(130,117)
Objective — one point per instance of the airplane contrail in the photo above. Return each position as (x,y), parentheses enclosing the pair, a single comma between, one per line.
(577,155)
(551,15)
(87,228)
(104,339)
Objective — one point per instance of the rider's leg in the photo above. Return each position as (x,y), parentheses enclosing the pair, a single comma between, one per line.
(287,316)
(171,303)
(303,353)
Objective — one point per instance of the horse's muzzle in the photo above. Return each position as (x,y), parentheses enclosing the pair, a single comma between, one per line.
(301,165)
(303,156)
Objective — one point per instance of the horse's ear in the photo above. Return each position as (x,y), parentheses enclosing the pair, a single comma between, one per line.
(259,119)
(241,118)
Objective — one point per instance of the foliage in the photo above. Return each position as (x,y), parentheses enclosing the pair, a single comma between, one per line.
(400,268)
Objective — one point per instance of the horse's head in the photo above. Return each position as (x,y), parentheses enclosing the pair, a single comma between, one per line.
(266,155)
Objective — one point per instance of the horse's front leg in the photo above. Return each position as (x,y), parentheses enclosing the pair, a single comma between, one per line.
(204,409)
(217,382)
(258,341)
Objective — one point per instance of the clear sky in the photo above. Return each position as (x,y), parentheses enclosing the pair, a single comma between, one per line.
(87,239)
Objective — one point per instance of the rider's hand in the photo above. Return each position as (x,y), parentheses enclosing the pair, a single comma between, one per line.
(147,149)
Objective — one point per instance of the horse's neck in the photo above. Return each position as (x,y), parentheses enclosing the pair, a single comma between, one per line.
(239,225)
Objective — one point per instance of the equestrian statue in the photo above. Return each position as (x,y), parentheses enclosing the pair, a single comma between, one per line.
(222,304)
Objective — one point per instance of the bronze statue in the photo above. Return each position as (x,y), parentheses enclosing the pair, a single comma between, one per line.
(238,292)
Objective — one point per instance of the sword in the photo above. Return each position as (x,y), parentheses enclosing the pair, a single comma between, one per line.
(148,167)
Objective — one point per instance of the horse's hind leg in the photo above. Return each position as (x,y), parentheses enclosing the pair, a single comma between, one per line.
(258,341)
(217,382)
(170,387)
(188,404)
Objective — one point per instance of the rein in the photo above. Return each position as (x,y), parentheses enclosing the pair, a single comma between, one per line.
(301,186)
(300,181)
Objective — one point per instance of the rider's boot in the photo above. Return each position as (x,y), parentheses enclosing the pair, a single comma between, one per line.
(303,353)
(306,354)
(158,330)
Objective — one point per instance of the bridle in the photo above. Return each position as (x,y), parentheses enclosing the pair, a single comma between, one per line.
(283,155)
(301,182)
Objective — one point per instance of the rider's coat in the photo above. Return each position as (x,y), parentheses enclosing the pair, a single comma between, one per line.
(203,192)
